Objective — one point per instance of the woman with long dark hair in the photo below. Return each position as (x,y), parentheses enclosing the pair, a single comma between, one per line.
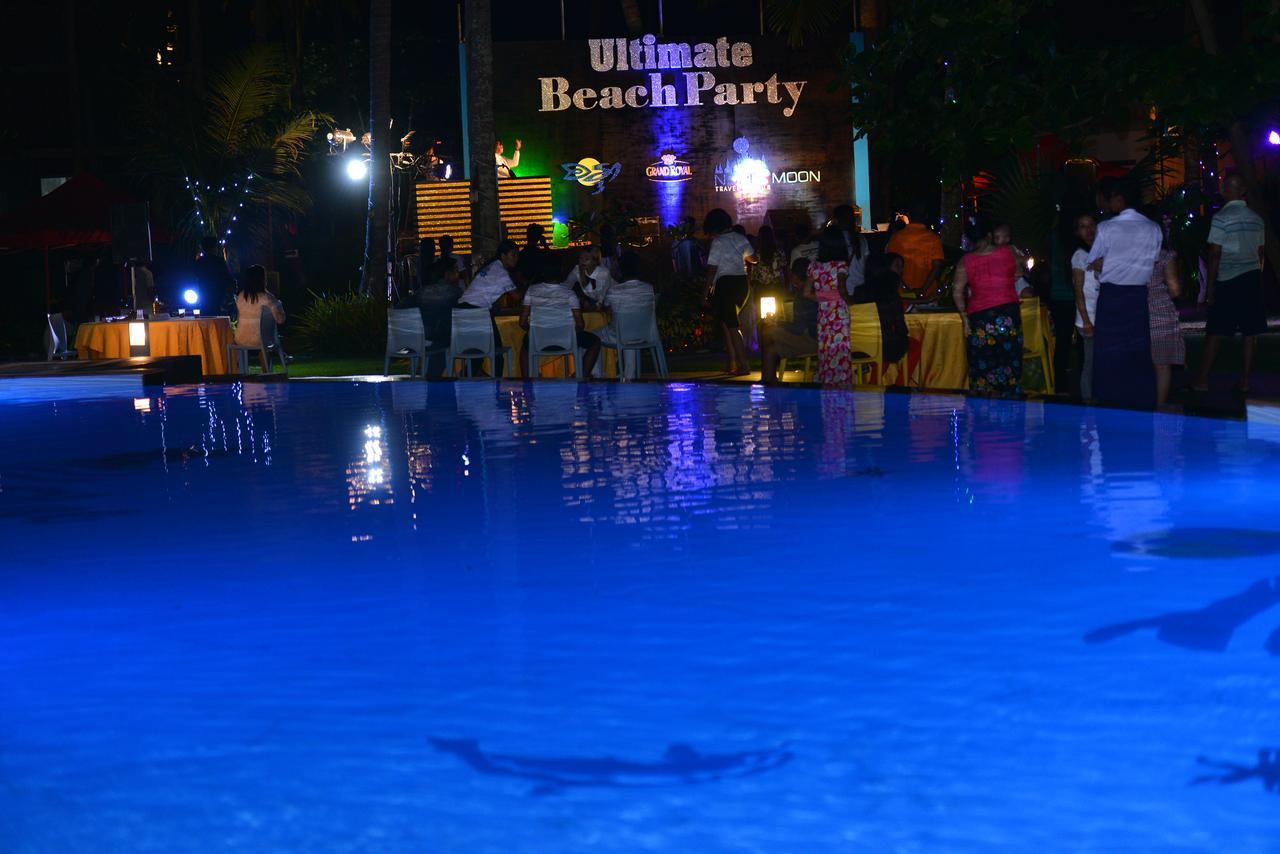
(251,301)
(727,290)
(985,293)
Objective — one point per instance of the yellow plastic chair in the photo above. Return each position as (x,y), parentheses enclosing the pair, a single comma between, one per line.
(1036,344)
(866,338)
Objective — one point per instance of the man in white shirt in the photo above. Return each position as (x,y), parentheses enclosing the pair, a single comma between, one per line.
(487,287)
(506,165)
(630,289)
(589,279)
(1233,281)
(1124,256)
(549,294)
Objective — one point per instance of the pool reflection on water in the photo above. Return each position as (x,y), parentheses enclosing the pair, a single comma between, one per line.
(359,616)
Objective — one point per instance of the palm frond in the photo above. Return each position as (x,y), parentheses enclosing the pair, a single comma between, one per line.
(1023,198)
(289,145)
(797,19)
(243,91)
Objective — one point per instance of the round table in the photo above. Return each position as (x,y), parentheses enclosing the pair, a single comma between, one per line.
(206,337)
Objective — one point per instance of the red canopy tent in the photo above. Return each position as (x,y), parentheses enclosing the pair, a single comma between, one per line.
(76,214)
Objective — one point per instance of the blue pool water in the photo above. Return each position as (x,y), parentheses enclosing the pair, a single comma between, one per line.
(478,617)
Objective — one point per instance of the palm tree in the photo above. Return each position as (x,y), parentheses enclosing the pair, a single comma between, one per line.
(220,159)
(484,177)
(1241,150)
(377,269)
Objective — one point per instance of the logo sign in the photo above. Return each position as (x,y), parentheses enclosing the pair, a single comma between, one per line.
(798,176)
(590,172)
(668,169)
(681,74)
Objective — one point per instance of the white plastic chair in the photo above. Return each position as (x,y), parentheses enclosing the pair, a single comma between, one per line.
(471,338)
(57,338)
(552,334)
(269,335)
(635,331)
(406,339)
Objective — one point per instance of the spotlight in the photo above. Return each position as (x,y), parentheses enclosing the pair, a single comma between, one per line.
(751,177)
(357,169)
(190,296)
(339,140)
(1274,137)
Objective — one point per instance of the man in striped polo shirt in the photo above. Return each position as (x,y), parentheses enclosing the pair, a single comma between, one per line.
(1233,284)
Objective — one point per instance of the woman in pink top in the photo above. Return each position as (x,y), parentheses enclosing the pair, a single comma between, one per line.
(988,301)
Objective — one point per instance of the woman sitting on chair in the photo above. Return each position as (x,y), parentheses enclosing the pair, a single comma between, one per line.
(252,298)
(547,293)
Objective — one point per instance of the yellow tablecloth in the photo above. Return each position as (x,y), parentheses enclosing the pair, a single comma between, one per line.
(513,337)
(936,357)
(206,337)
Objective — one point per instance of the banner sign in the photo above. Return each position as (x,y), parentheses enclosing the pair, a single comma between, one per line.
(675,128)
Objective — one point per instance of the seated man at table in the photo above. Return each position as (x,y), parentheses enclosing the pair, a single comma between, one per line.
(883,285)
(630,288)
(589,279)
(435,300)
(251,301)
(548,293)
(489,287)
(789,339)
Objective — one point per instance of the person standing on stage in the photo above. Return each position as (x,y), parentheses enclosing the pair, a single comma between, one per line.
(506,165)
(1233,284)
(1123,257)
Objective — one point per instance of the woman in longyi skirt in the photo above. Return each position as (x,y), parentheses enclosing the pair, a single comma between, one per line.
(985,293)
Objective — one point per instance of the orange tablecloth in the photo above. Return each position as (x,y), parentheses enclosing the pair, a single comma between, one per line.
(206,337)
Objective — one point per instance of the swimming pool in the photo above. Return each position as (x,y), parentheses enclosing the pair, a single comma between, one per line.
(556,618)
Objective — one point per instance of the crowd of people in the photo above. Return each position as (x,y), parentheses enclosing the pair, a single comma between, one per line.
(1111,290)
(518,280)
(1124,276)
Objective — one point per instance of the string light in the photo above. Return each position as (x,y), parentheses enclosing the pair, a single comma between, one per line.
(201,207)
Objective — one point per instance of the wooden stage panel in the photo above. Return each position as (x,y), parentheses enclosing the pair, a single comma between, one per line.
(444,207)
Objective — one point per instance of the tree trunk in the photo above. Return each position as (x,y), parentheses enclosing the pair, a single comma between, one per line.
(631,14)
(484,176)
(1241,152)
(377,277)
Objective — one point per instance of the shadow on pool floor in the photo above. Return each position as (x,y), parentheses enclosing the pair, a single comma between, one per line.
(1208,629)
(680,764)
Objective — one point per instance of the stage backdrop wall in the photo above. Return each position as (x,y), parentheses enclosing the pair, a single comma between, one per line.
(676,128)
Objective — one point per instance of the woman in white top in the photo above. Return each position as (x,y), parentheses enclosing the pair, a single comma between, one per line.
(726,291)
(251,301)
(1085,283)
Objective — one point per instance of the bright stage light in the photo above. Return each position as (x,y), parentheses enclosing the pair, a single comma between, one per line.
(190,296)
(751,177)
(1274,137)
(357,170)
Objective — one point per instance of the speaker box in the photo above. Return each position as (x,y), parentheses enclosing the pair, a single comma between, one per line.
(130,233)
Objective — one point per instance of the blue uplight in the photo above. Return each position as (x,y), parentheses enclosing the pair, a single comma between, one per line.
(190,296)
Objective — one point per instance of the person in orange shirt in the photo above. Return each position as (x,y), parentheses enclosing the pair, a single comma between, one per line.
(921,252)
